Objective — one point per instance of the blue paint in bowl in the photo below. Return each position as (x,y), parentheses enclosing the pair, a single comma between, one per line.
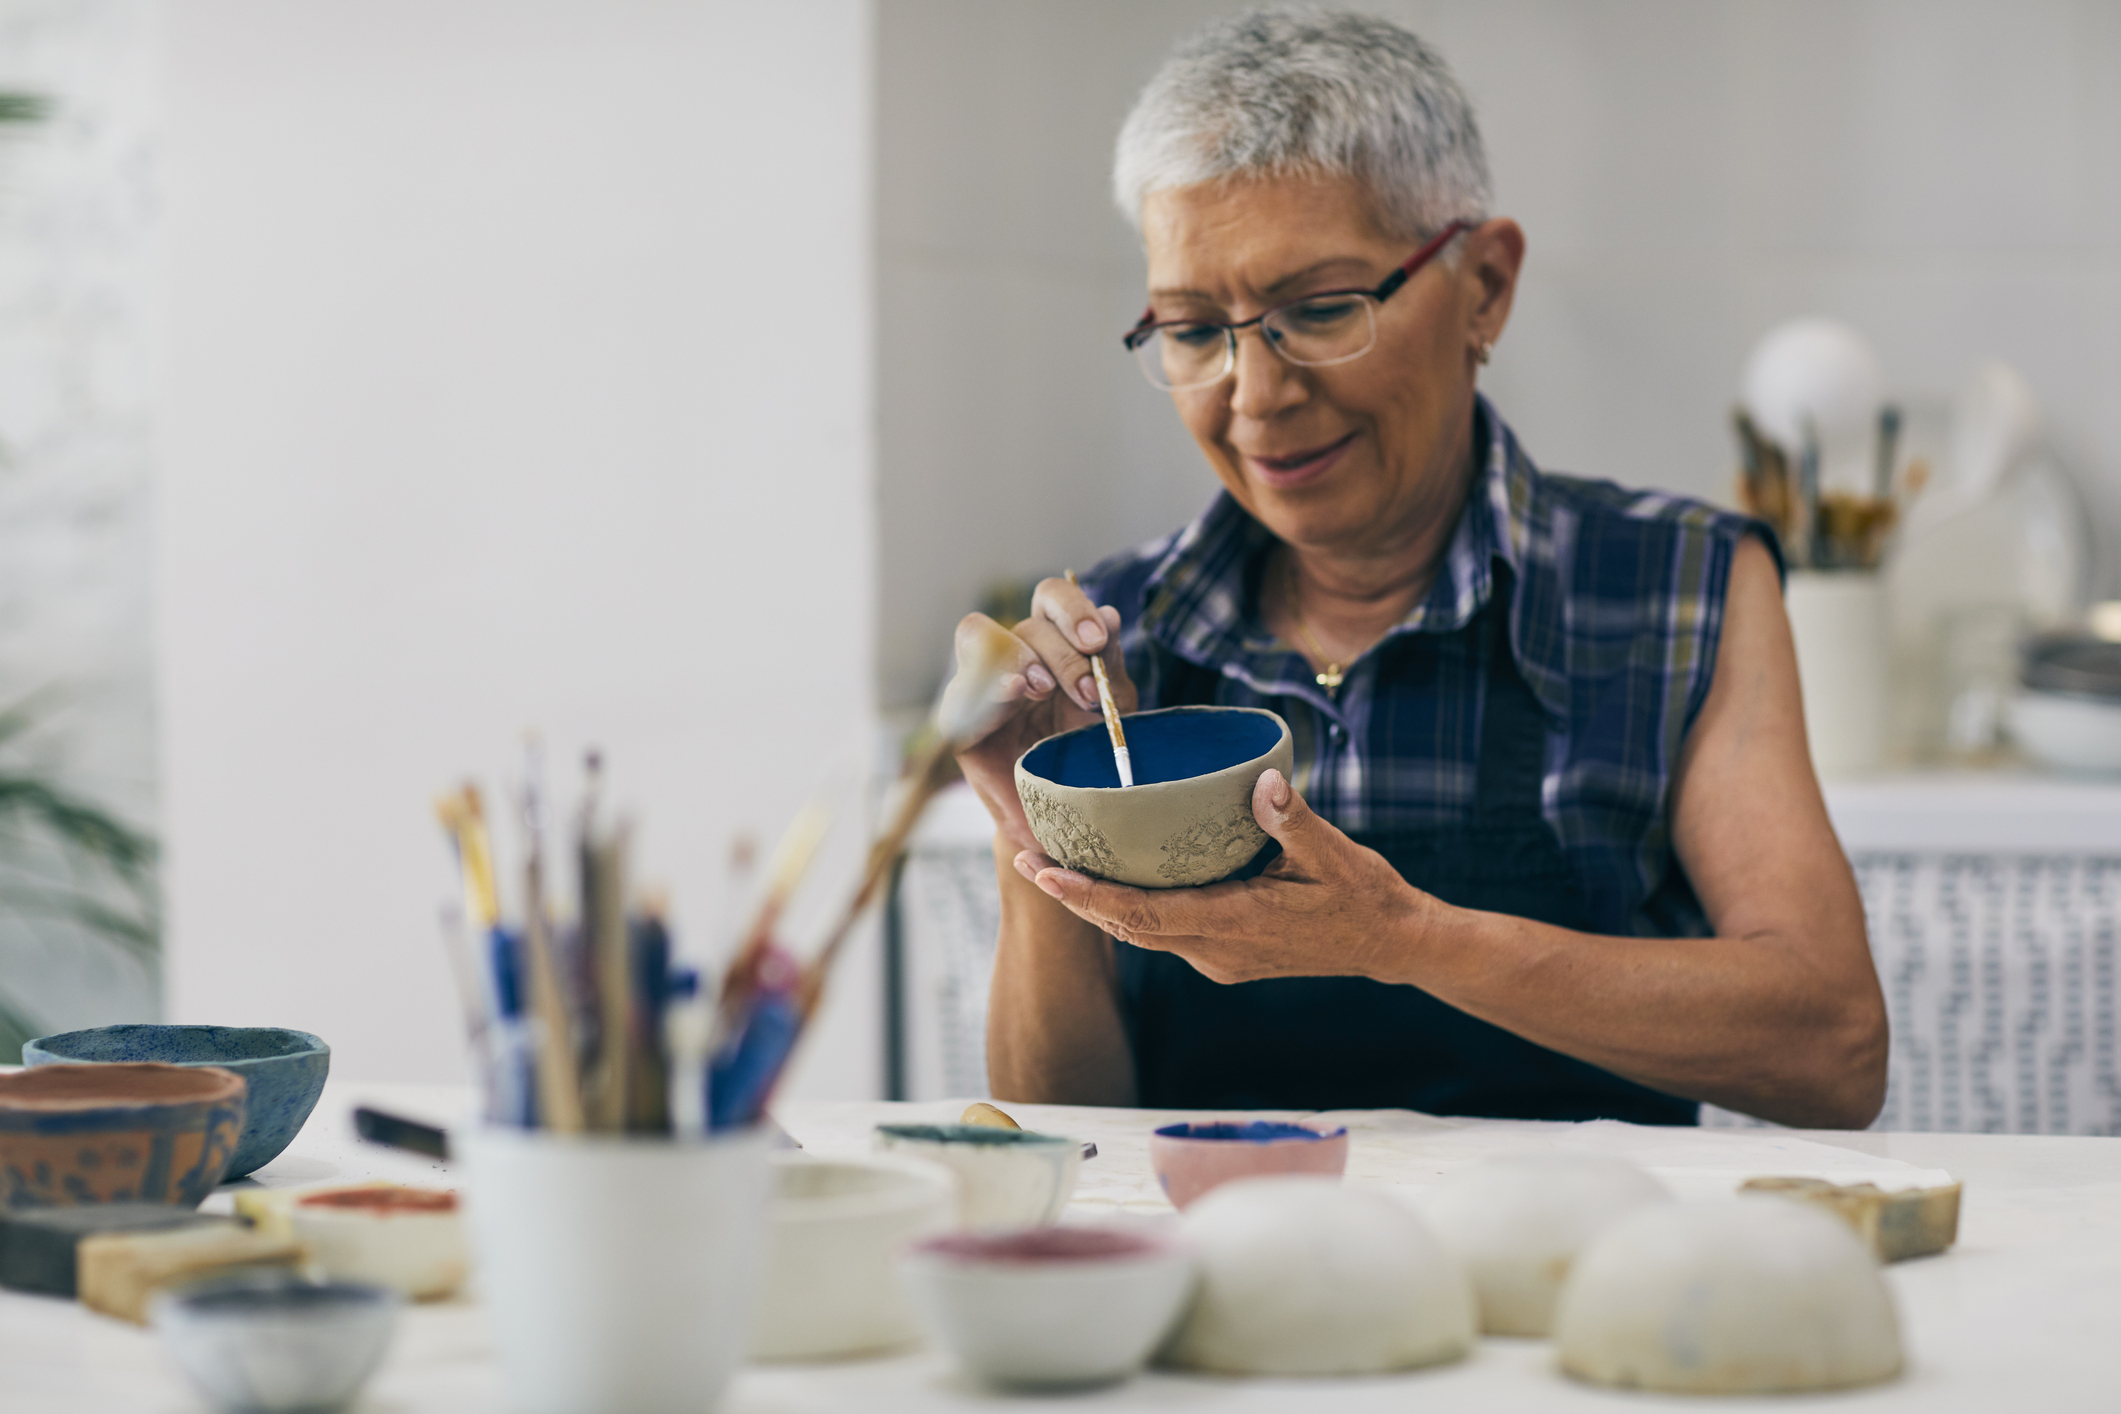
(1257,1131)
(285,1070)
(1176,744)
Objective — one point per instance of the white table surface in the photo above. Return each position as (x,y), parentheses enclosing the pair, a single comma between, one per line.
(2024,1314)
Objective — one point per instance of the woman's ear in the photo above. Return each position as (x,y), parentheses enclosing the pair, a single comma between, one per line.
(1493,256)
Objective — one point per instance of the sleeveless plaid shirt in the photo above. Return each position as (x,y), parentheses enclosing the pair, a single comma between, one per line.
(1616,610)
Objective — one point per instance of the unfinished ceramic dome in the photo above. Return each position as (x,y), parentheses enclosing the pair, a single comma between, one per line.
(1300,1275)
(1747,1295)
(1517,1224)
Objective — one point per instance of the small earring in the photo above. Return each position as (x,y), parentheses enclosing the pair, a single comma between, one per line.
(1487,351)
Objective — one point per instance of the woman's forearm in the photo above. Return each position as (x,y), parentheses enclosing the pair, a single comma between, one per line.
(1053,1027)
(1745,1022)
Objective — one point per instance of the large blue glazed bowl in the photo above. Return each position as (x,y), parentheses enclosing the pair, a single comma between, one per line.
(286,1071)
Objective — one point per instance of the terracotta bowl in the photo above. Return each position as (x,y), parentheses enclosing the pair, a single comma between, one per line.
(117,1133)
(286,1071)
(1186,820)
(1191,1159)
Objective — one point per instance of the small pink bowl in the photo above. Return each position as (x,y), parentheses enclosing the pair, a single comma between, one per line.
(1190,1159)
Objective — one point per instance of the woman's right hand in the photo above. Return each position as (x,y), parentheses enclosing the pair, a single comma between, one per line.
(1041,684)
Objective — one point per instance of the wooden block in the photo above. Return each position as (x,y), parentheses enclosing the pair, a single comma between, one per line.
(118,1272)
(1912,1222)
(38,1246)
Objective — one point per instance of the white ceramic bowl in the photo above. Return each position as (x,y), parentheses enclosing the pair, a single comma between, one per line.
(273,1342)
(1049,1307)
(1747,1295)
(381,1233)
(1007,1178)
(2063,730)
(832,1282)
(1516,1226)
(1300,1275)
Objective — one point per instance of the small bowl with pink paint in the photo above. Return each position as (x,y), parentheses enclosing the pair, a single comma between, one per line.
(1051,1307)
(1191,1159)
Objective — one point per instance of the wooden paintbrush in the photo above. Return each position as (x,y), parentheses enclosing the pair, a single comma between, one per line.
(1113,729)
(559,1081)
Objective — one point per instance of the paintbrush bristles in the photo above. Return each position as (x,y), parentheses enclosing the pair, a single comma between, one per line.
(984,658)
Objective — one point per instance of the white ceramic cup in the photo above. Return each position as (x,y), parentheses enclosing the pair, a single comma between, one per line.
(832,1284)
(620,1272)
(1006,1178)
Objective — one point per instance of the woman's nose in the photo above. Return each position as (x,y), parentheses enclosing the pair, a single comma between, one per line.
(1267,383)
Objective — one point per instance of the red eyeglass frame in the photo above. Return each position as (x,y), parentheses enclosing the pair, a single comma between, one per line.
(1149,324)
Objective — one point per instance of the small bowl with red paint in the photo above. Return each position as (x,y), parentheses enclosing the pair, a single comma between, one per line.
(408,1239)
(1191,1159)
(1049,1308)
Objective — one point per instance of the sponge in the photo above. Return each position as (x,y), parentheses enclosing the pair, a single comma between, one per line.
(37,1245)
(120,1271)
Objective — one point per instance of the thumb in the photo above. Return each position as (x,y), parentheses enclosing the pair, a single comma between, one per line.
(1280,811)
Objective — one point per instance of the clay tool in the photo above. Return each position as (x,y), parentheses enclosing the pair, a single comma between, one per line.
(397,1132)
(1809,538)
(1113,729)
(559,1082)
(1889,420)
(601,863)
(647,1044)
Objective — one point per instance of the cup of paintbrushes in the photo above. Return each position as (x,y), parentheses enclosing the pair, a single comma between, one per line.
(621,1271)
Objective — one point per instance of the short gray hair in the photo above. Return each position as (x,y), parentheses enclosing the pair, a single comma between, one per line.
(1289,91)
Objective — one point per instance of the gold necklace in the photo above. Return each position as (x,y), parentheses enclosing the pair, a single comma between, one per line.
(1331,678)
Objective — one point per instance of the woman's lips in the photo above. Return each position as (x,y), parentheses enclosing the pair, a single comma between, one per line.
(1300,468)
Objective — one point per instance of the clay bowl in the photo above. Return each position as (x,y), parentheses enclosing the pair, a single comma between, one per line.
(1190,1159)
(1049,1307)
(832,1287)
(273,1342)
(1186,820)
(116,1133)
(286,1071)
(1006,1178)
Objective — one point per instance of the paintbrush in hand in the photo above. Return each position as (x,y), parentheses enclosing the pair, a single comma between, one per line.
(1113,729)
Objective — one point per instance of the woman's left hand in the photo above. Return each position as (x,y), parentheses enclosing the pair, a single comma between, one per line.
(1327,907)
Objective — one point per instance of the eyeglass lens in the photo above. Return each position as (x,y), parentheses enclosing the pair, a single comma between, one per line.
(1323,330)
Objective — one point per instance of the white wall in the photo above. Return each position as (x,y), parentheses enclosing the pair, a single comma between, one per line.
(518,374)
(76,227)
(1945,174)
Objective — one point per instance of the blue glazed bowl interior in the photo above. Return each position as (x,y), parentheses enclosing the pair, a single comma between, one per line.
(976,1135)
(1257,1131)
(1174,745)
(284,1069)
(178,1045)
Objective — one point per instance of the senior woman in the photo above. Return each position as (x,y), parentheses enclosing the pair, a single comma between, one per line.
(1553,848)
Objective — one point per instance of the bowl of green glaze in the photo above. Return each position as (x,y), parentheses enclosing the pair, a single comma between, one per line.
(285,1070)
(1186,820)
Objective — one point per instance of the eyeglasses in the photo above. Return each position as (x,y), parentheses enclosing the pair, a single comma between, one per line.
(1332,326)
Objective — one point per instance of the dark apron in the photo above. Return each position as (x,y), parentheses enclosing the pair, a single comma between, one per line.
(1332,1043)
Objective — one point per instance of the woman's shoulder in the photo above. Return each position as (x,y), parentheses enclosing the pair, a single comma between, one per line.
(1587,512)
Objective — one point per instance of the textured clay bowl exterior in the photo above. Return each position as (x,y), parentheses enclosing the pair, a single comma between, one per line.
(72,1134)
(286,1071)
(1191,1159)
(1187,819)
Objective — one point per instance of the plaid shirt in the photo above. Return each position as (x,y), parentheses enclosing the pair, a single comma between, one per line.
(1617,612)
